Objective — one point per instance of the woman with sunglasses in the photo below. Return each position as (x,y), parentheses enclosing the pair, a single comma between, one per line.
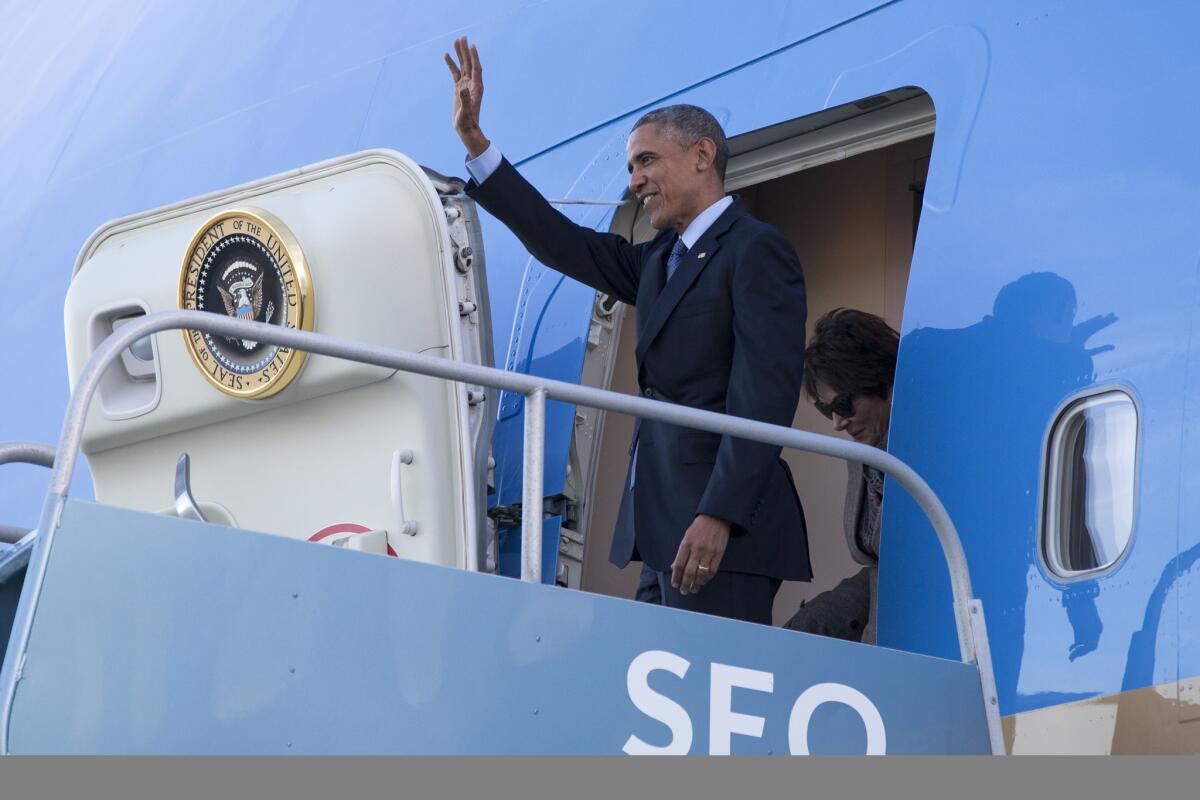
(849,370)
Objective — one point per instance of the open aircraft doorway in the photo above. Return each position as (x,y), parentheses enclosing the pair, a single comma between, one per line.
(846,186)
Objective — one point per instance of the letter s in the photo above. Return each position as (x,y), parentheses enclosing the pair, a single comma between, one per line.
(657,706)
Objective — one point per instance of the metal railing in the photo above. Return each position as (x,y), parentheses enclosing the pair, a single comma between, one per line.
(40,455)
(968,613)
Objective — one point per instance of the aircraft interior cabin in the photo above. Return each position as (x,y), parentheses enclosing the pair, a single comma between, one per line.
(846,186)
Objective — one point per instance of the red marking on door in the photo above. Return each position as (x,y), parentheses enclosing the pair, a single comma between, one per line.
(344,527)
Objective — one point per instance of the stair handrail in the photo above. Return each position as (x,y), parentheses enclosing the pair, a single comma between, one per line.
(968,610)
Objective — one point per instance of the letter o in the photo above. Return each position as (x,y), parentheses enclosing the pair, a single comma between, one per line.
(814,696)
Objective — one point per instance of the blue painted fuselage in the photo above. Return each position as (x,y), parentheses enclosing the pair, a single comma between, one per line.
(1064,145)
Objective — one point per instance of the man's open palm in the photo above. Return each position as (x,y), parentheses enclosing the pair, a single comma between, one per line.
(468,96)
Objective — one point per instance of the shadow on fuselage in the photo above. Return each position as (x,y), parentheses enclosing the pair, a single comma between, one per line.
(976,403)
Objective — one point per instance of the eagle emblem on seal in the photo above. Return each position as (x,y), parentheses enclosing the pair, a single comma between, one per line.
(243,298)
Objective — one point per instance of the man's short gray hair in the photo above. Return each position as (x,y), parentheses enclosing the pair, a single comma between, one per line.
(685,125)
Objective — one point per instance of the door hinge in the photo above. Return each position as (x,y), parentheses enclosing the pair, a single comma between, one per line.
(558,505)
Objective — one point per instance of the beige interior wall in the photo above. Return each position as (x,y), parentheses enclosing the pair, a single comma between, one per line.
(598,574)
(851,224)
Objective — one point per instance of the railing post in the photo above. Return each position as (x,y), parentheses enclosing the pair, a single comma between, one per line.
(987,678)
(531,499)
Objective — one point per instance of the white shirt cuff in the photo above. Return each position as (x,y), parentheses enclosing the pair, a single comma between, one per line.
(481,168)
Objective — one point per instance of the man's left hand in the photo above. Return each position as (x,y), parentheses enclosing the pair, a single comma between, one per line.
(699,553)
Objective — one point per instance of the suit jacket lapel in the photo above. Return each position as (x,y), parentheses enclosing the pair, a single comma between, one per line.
(700,254)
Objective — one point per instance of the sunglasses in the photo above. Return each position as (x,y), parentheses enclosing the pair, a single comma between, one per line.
(842,405)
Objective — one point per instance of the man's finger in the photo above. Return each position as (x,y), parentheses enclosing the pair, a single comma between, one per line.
(704,559)
(681,559)
(691,574)
(466,57)
(711,561)
(476,66)
(453,69)
(459,48)
(688,560)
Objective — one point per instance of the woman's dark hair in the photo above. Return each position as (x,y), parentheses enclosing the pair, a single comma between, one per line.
(851,351)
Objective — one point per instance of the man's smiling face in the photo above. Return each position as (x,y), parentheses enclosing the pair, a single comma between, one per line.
(667,178)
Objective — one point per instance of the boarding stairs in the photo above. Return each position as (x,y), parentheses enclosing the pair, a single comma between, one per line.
(134,632)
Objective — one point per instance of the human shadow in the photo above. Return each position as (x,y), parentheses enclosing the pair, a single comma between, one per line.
(973,405)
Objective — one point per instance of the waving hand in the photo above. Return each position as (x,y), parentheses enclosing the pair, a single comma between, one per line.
(468,96)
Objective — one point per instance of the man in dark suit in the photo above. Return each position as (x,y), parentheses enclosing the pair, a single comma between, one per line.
(720,326)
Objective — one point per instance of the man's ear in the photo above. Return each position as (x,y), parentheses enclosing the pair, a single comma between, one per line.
(706,153)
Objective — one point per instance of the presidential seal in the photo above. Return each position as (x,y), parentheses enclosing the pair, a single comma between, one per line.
(246,263)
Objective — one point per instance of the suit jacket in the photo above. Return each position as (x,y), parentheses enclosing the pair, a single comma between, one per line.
(725,334)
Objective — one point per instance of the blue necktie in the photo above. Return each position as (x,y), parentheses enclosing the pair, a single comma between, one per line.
(677,253)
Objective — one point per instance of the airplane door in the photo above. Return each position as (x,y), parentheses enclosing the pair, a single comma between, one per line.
(368,247)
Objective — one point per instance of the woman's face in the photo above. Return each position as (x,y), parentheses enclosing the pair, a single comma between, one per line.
(863,416)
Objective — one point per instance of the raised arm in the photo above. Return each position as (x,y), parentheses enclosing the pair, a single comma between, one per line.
(603,261)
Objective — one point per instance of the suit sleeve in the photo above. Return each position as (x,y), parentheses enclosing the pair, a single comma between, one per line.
(769,310)
(603,261)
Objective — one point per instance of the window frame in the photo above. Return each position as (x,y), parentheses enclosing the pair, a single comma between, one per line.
(1049,506)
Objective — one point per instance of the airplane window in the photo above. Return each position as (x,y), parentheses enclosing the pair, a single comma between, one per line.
(1090,484)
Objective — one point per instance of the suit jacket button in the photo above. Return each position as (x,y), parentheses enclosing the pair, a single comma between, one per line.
(648,392)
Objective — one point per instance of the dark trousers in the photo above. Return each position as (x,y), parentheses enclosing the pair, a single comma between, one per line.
(648,590)
(736,595)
